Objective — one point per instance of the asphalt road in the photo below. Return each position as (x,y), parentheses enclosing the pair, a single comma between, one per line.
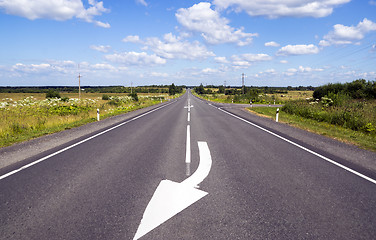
(263,183)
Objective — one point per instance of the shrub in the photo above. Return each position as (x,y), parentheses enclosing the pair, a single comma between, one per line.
(65,99)
(134,96)
(52,94)
(105,97)
(353,114)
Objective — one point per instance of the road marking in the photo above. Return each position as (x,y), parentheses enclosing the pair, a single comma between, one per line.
(304,148)
(188,146)
(204,167)
(170,197)
(189,117)
(189,106)
(80,142)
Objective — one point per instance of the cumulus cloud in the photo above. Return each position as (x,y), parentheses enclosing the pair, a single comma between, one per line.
(59,10)
(209,70)
(57,66)
(309,69)
(158,74)
(298,50)
(173,47)
(301,69)
(221,59)
(214,29)
(32,68)
(132,39)
(348,35)
(272,44)
(135,58)
(101,48)
(245,60)
(103,66)
(249,57)
(276,9)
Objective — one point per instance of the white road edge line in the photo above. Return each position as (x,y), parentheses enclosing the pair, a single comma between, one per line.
(78,143)
(301,147)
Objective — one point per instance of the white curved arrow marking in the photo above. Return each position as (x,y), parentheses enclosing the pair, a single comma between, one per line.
(170,197)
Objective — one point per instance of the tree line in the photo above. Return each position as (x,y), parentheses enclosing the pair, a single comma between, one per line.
(172,89)
(358,89)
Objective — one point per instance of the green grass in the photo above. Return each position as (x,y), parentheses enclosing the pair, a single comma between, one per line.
(262,99)
(361,139)
(23,117)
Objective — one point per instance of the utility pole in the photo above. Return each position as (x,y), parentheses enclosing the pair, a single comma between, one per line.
(131,87)
(243,83)
(225,83)
(79,83)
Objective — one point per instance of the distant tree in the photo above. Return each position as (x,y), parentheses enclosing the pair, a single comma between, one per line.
(200,89)
(172,89)
(221,89)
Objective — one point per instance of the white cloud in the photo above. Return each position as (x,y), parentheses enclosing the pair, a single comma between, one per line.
(135,58)
(249,57)
(283,61)
(270,71)
(101,48)
(213,28)
(348,35)
(309,69)
(102,24)
(103,66)
(276,9)
(221,59)
(59,10)
(272,44)
(132,39)
(142,2)
(245,60)
(298,50)
(301,69)
(32,68)
(57,66)
(372,2)
(174,47)
(158,74)
(209,70)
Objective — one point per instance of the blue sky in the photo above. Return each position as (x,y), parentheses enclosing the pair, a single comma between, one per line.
(144,42)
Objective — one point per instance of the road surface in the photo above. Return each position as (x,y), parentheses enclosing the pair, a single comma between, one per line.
(196,171)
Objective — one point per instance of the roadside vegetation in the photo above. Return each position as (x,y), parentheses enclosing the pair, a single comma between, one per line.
(24,116)
(344,111)
(258,95)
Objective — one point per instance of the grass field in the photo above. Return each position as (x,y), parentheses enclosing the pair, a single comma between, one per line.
(24,116)
(354,122)
(359,138)
(279,98)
